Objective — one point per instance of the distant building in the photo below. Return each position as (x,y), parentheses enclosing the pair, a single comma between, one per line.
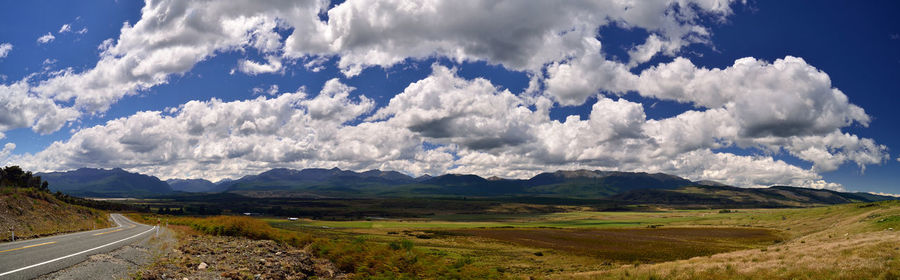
(293,219)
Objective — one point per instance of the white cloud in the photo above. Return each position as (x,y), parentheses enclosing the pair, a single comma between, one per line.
(7,149)
(19,108)
(786,106)
(46,38)
(212,138)
(65,28)
(479,128)
(574,81)
(6,152)
(334,104)
(82,31)
(5,48)
(272,90)
(651,47)
(884,194)
(800,98)
(171,37)
(520,36)
(254,68)
(447,109)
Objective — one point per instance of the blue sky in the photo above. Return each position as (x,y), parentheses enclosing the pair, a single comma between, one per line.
(474,89)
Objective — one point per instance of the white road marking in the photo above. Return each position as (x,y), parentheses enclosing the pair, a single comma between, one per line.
(75,254)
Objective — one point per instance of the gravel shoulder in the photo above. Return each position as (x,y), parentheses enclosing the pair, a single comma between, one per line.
(198,256)
(122,263)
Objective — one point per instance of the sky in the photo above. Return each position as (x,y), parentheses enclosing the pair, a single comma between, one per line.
(747,93)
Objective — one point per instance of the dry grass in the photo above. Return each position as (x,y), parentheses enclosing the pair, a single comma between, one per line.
(852,242)
(32,213)
(358,257)
(865,256)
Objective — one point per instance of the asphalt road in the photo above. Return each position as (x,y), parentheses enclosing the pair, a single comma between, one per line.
(28,259)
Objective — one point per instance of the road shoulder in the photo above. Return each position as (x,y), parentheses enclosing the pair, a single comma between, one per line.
(121,263)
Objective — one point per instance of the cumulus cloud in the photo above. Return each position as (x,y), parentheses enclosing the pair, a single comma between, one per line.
(574,81)
(447,109)
(786,104)
(171,37)
(801,98)
(212,138)
(781,107)
(477,127)
(7,150)
(19,108)
(651,47)
(254,68)
(5,48)
(47,38)
(520,36)
(65,28)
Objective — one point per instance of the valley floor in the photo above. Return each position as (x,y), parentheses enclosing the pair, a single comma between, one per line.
(850,241)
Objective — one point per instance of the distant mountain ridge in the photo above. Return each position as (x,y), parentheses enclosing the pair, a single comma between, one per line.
(194,185)
(625,187)
(576,183)
(116,182)
(596,182)
(316,178)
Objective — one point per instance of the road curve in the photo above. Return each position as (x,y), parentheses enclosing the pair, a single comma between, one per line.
(28,259)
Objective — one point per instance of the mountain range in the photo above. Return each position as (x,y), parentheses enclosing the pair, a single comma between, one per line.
(194,185)
(91,182)
(626,187)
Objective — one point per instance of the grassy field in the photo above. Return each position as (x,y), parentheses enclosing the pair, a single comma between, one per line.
(850,241)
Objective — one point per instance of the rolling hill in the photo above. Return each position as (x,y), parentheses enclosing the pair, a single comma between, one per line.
(90,182)
(580,183)
(734,197)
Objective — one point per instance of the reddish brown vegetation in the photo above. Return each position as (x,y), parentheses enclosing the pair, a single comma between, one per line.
(635,245)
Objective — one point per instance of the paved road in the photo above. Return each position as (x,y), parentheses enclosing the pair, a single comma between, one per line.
(32,258)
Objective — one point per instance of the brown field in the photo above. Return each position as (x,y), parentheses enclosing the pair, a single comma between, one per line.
(635,244)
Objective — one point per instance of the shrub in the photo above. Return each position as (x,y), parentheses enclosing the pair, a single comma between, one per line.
(367,260)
